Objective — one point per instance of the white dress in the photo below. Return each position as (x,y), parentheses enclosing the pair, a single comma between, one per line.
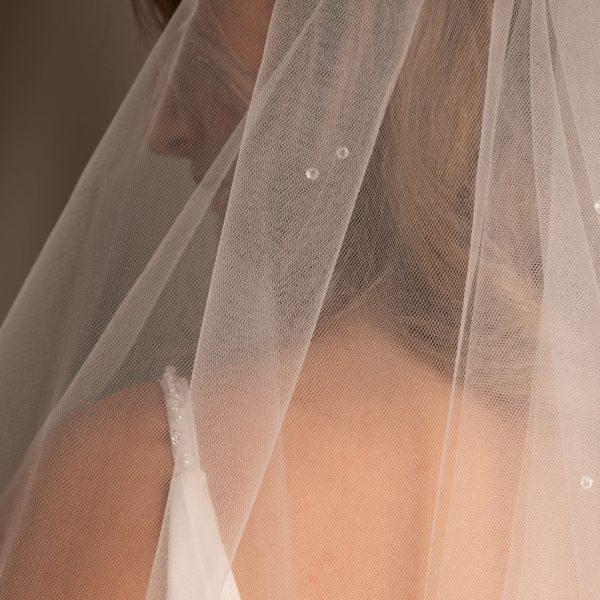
(197,564)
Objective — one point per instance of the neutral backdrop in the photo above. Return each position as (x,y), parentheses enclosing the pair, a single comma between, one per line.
(65,66)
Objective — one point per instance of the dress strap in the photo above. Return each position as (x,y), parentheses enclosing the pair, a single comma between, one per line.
(197,565)
(182,429)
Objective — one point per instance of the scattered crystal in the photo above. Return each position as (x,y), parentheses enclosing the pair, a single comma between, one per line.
(342,152)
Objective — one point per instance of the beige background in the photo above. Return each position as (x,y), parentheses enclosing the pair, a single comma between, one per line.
(65,66)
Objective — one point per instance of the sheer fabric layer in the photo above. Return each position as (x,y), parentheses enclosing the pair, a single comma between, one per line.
(320,319)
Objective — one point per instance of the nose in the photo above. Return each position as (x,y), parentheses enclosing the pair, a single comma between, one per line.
(171,132)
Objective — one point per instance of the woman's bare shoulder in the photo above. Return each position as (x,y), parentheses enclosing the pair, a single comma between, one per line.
(97,502)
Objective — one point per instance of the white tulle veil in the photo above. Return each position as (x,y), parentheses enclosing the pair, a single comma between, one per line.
(321,318)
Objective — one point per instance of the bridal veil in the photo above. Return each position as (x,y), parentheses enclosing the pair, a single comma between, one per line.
(321,318)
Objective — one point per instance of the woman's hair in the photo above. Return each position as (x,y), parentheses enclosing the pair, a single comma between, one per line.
(415,209)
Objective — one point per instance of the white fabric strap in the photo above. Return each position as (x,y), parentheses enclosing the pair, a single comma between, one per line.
(197,560)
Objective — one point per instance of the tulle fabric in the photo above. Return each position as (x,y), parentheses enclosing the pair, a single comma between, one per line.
(321,317)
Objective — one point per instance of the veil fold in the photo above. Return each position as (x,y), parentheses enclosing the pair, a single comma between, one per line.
(320,318)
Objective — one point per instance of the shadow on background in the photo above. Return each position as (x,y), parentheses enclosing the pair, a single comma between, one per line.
(65,66)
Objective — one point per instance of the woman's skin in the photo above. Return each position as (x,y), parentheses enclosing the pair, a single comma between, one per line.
(361,447)
(361,442)
(91,529)
(359,457)
(352,440)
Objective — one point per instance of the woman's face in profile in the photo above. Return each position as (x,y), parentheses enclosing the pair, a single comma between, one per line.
(210,88)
